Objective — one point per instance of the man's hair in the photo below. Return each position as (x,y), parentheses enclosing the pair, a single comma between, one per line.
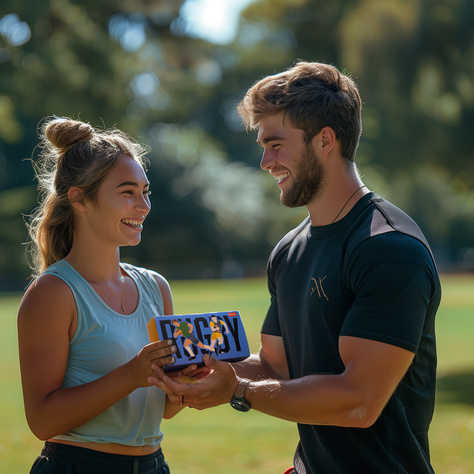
(312,96)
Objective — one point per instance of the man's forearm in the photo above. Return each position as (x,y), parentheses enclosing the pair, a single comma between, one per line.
(255,368)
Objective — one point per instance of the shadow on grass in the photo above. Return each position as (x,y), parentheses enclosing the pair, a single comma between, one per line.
(456,388)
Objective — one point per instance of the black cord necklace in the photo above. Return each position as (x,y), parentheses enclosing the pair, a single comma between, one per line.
(347,202)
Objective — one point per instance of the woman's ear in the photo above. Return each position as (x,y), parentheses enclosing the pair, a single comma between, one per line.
(76,198)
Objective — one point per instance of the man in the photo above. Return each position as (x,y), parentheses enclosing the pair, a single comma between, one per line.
(348,344)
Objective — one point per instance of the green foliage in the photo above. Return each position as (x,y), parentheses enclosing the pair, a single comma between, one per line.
(133,65)
(15,203)
(221,440)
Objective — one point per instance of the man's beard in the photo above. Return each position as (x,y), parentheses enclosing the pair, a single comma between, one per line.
(307,180)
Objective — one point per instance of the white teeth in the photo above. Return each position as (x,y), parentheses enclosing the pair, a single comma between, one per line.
(131,222)
(281,177)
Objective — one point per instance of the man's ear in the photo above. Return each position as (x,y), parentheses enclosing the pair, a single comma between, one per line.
(76,198)
(327,139)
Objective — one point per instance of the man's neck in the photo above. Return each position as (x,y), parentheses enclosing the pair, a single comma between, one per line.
(336,201)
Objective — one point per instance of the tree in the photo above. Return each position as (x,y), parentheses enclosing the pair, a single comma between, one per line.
(134,65)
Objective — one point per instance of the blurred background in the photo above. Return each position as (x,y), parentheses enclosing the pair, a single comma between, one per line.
(170,73)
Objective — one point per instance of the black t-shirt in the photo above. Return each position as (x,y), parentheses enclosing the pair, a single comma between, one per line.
(370,275)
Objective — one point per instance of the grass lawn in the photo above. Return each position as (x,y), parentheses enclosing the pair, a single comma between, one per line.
(222,440)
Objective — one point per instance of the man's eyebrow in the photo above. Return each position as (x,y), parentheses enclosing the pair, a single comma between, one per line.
(132,183)
(271,138)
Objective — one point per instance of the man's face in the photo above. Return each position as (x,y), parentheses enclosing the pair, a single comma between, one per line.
(294,164)
(309,176)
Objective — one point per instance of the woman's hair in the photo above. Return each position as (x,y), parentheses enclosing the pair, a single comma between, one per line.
(312,96)
(73,154)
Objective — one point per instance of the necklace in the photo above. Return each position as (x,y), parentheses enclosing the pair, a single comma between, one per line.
(347,202)
(115,298)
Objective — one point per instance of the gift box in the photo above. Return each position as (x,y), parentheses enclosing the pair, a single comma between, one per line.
(220,334)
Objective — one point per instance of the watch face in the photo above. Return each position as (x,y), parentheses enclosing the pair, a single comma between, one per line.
(240,405)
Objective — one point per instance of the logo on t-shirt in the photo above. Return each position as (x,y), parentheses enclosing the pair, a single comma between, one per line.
(317,285)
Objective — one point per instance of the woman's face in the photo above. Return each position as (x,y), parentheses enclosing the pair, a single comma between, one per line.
(122,203)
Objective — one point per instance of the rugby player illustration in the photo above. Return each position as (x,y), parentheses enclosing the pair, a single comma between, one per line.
(216,326)
(185,329)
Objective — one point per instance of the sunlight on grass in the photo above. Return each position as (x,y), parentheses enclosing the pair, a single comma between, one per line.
(222,440)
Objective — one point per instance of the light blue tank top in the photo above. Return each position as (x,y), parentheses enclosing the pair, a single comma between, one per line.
(104,340)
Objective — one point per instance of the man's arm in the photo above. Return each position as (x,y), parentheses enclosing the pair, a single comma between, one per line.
(269,363)
(354,398)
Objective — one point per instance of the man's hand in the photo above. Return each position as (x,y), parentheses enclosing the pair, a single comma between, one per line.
(197,372)
(192,373)
(216,389)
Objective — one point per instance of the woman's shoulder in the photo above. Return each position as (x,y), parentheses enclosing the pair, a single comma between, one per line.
(46,286)
(47,297)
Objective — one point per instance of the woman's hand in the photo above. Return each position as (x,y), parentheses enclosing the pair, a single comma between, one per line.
(158,353)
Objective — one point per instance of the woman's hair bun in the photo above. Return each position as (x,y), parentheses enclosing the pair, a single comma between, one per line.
(63,133)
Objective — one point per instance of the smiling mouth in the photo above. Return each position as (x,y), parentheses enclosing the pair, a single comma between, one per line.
(281,177)
(133,223)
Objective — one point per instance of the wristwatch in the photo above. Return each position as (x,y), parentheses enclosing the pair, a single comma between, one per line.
(238,401)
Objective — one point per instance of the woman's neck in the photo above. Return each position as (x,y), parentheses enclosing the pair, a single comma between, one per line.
(95,265)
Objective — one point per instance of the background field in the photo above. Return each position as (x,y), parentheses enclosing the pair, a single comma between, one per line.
(223,441)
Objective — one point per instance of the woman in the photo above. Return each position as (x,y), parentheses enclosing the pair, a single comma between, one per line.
(84,352)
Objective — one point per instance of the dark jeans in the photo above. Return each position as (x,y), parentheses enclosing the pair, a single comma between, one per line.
(59,458)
